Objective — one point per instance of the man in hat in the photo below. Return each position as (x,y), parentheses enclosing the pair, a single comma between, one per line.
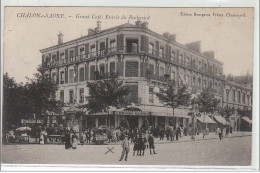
(151,144)
(125,146)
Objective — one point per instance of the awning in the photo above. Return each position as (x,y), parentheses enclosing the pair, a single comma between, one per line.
(247,119)
(135,111)
(178,113)
(181,113)
(221,120)
(206,120)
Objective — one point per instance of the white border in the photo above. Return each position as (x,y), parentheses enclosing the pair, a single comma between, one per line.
(149,3)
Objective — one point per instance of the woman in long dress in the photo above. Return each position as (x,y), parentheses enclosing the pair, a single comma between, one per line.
(74,141)
(67,139)
(42,137)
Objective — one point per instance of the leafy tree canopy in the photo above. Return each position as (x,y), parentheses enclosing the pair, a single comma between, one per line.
(207,102)
(174,95)
(105,93)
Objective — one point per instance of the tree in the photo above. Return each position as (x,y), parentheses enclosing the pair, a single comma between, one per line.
(14,107)
(207,103)
(124,123)
(175,96)
(40,92)
(106,93)
(226,112)
(145,124)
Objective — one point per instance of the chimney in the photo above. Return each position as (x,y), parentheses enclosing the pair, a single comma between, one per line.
(138,23)
(145,24)
(98,28)
(209,54)
(172,37)
(195,46)
(60,38)
(91,31)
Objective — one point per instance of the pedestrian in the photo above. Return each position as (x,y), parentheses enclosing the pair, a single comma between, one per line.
(167,133)
(141,146)
(162,134)
(231,129)
(136,145)
(227,131)
(74,140)
(177,132)
(125,148)
(171,133)
(67,139)
(82,138)
(220,131)
(151,144)
(109,135)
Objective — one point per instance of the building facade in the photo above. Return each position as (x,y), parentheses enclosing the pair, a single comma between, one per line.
(237,96)
(143,59)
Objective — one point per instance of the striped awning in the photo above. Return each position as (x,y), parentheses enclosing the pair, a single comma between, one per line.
(206,119)
(247,119)
(221,120)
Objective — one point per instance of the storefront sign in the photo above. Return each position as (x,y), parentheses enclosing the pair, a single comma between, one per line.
(30,121)
(132,113)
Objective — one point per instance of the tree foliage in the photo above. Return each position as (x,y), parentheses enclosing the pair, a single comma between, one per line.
(14,102)
(23,101)
(124,123)
(145,124)
(41,92)
(207,102)
(226,111)
(174,95)
(106,93)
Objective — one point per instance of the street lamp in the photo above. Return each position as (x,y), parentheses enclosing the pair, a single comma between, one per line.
(174,123)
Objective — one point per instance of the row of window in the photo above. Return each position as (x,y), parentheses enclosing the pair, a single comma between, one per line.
(185,60)
(71,96)
(82,51)
(236,97)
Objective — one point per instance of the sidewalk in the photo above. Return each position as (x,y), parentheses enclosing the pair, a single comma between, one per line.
(199,137)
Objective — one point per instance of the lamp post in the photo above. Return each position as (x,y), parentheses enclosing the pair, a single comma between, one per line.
(174,123)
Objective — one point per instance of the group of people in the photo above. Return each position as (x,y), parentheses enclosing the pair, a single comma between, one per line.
(141,143)
(171,133)
(223,131)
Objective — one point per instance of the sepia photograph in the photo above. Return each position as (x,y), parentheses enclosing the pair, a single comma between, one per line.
(128,86)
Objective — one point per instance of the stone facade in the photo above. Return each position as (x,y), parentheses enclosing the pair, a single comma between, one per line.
(139,56)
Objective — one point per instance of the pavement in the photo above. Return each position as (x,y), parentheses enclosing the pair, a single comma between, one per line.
(231,151)
(210,136)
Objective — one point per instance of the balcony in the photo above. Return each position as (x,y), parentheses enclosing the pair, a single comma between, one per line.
(80,58)
(130,50)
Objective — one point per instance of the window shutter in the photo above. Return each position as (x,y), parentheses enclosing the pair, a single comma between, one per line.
(66,74)
(57,56)
(87,49)
(57,77)
(131,69)
(66,54)
(92,72)
(107,44)
(120,42)
(141,69)
(76,73)
(157,48)
(86,71)
(76,50)
(120,66)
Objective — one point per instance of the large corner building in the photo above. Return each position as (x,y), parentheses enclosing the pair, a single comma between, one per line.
(141,58)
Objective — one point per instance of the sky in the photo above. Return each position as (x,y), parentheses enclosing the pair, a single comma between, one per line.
(230,37)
